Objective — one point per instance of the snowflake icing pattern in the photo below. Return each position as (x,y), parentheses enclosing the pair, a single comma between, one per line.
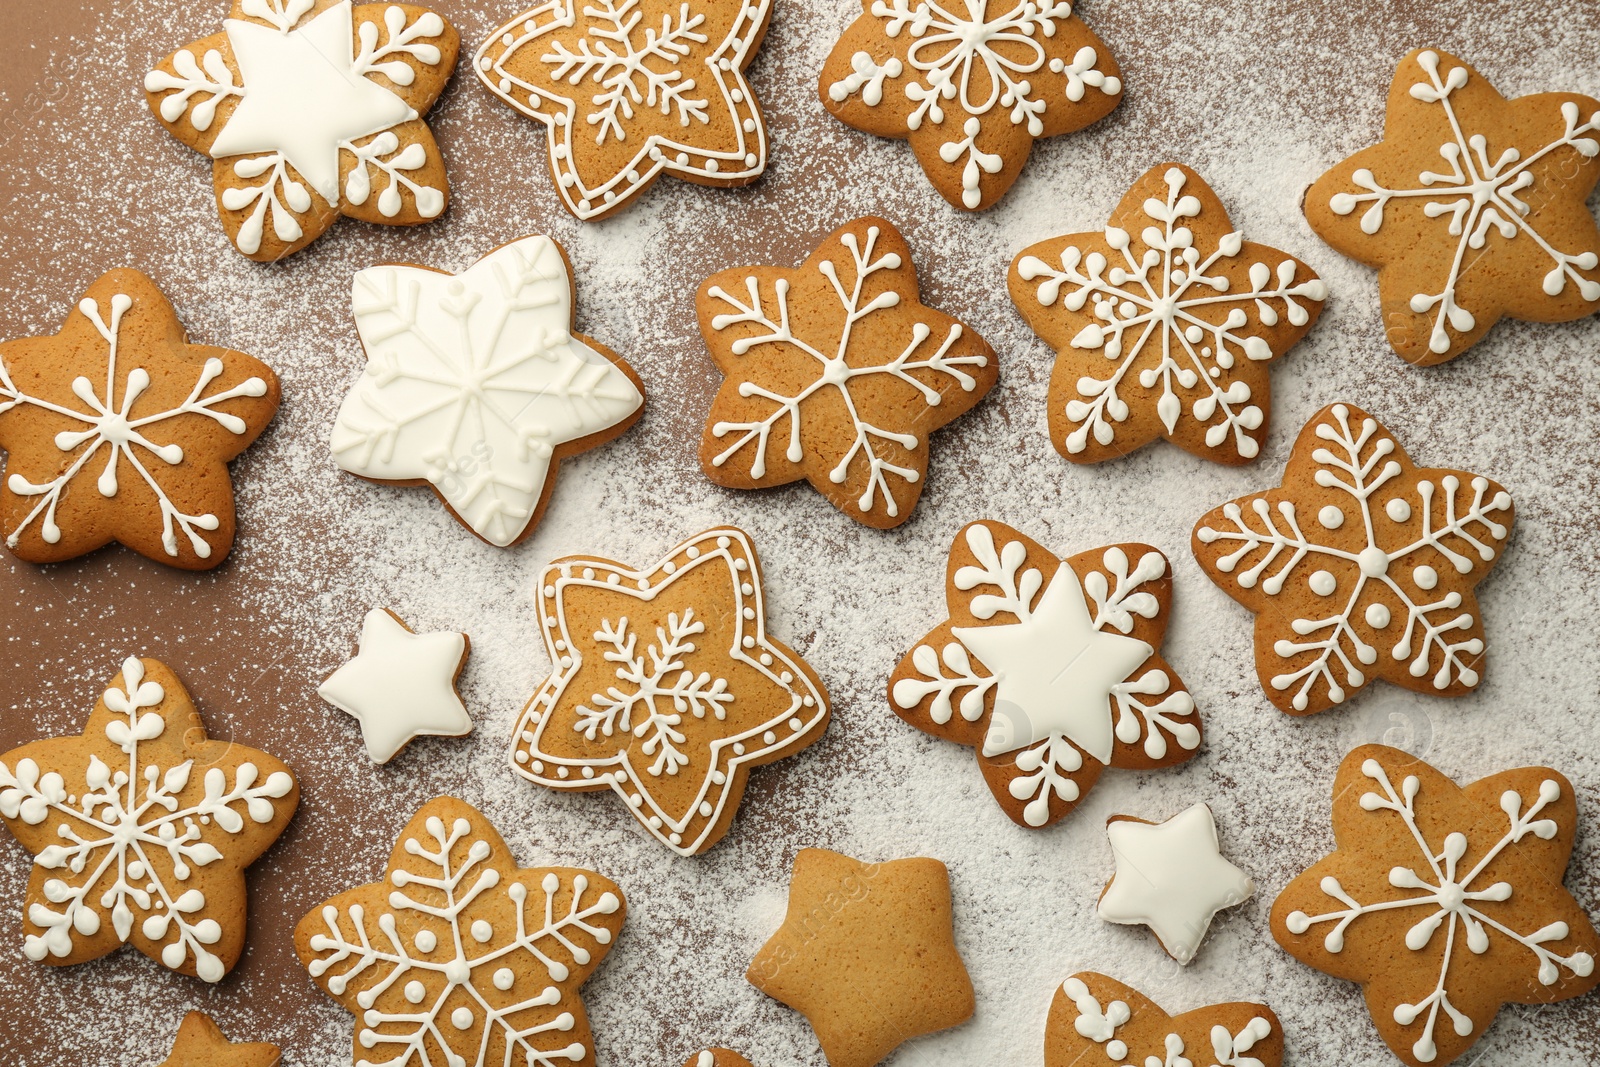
(1002,72)
(435,966)
(891,385)
(147,843)
(1460,902)
(1401,598)
(1183,313)
(1522,193)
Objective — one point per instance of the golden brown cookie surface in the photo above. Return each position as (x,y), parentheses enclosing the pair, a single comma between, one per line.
(717,1057)
(1095,1019)
(201,1044)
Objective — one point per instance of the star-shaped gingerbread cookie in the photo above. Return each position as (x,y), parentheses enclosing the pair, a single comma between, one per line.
(141,828)
(836,373)
(1473,207)
(118,429)
(1164,325)
(717,1057)
(458,956)
(667,688)
(1050,668)
(629,90)
(1359,565)
(867,954)
(1095,1019)
(1443,902)
(312,109)
(201,1044)
(971,84)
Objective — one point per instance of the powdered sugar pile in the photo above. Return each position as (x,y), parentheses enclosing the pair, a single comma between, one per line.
(1229,88)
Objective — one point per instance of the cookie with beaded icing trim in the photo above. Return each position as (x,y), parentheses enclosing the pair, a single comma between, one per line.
(312,109)
(1445,902)
(1359,565)
(1096,1019)
(717,1057)
(668,687)
(478,386)
(971,85)
(1472,208)
(629,90)
(119,429)
(200,1043)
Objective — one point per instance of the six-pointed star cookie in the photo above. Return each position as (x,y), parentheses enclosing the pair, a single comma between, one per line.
(458,957)
(1172,878)
(201,1044)
(476,385)
(401,685)
(667,688)
(1164,325)
(307,108)
(629,89)
(1095,1019)
(1473,207)
(836,373)
(971,83)
(1049,690)
(1443,902)
(141,828)
(867,954)
(118,429)
(1359,565)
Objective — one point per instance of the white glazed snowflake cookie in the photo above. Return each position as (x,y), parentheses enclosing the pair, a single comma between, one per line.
(971,84)
(476,385)
(312,109)
(1051,668)
(458,958)
(667,687)
(1360,565)
(141,828)
(629,90)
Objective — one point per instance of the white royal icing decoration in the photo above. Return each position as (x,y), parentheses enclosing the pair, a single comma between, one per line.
(1100,1025)
(400,686)
(1172,878)
(626,63)
(1450,900)
(1476,195)
(472,381)
(109,829)
(109,423)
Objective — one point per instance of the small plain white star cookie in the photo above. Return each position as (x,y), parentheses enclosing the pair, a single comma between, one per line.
(1171,877)
(401,685)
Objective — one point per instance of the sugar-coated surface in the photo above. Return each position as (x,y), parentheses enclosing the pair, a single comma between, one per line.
(1259,95)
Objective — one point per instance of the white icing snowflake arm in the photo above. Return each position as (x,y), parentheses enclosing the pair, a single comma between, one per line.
(202,87)
(909,692)
(283,14)
(279,198)
(404,39)
(379,153)
(1002,570)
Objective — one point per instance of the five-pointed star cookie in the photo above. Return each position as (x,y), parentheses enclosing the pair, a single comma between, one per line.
(458,956)
(1172,878)
(401,685)
(867,954)
(476,385)
(971,83)
(1095,1019)
(1472,207)
(667,687)
(1164,325)
(1359,565)
(631,89)
(312,109)
(1050,689)
(141,828)
(1443,902)
(836,373)
(118,429)
(201,1044)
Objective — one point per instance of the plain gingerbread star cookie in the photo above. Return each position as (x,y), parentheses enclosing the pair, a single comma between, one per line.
(1472,207)
(118,429)
(1444,902)
(312,109)
(401,685)
(1098,1020)
(867,954)
(201,1044)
